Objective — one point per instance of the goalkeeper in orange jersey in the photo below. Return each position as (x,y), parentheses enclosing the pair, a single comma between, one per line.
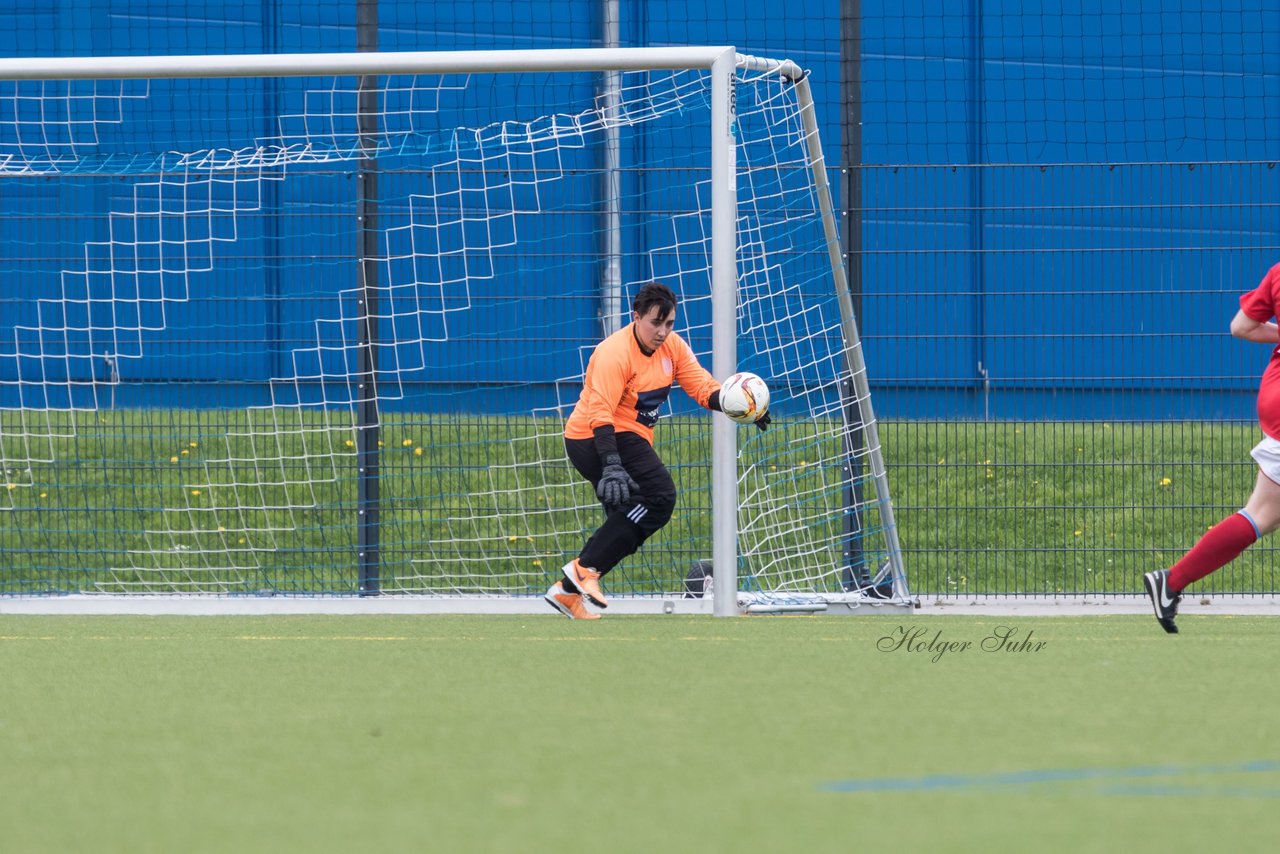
(609,440)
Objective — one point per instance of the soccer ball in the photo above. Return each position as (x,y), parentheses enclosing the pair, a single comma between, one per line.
(744,397)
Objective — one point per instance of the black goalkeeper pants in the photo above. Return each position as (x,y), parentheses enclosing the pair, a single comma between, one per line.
(627,527)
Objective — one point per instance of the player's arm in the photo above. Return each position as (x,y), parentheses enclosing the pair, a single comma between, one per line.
(604,386)
(1253,321)
(695,379)
(604,393)
(1261,332)
(702,387)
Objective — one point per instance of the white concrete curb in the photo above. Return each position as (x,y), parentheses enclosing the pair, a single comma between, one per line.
(1072,606)
(212,605)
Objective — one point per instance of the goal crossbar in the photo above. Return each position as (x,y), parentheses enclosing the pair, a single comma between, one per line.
(405,62)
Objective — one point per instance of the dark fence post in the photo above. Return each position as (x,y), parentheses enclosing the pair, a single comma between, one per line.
(368,428)
(855,574)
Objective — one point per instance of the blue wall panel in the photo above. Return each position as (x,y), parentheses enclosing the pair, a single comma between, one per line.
(1038,199)
(271,322)
(1085,272)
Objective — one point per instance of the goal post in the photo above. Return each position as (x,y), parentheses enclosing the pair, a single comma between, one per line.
(218,379)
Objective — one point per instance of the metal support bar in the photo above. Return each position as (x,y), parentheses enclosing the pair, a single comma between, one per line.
(611,302)
(368,428)
(976,146)
(724,329)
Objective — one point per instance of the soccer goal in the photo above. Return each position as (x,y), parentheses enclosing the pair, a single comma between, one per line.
(307,327)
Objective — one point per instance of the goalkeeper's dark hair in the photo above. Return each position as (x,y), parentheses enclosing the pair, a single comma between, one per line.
(651,294)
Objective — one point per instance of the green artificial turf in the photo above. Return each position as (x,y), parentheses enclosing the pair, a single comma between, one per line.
(644,734)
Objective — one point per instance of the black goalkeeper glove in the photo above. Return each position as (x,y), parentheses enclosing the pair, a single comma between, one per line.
(615,486)
(763,422)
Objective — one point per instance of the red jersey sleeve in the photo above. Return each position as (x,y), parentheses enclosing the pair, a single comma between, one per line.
(1260,303)
(692,377)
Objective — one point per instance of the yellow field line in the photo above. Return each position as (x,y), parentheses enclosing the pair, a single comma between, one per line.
(316,637)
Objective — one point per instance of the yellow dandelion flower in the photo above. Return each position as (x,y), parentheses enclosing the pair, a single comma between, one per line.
(1078,533)
(942,461)
(380,443)
(221,529)
(240,541)
(193,444)
(537,563)
(44,495)
(195,492)
(406,443)
(417,452)
(185,452)
(512,538)
(173,459)
(11,486)
(349,443)
(1164,481)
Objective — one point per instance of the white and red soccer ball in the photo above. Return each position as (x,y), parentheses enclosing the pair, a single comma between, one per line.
(744,397)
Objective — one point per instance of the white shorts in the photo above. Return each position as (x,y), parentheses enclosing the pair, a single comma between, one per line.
(1267,455)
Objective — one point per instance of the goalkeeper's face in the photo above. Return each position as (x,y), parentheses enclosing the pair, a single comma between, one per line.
(652,330)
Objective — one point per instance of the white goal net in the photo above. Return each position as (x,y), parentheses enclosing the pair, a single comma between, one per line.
(318,334)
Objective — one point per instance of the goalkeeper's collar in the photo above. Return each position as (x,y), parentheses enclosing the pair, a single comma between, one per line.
(640,343)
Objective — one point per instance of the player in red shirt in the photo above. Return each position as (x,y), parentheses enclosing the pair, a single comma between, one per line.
(609,440)
(1261,515)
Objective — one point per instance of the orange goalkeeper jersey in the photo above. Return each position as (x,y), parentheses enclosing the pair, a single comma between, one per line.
(626,388)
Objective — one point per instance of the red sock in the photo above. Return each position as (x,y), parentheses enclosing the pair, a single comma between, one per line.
(1219,546)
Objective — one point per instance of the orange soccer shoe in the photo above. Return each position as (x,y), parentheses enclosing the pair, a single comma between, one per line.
(586,580)
(569,604)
